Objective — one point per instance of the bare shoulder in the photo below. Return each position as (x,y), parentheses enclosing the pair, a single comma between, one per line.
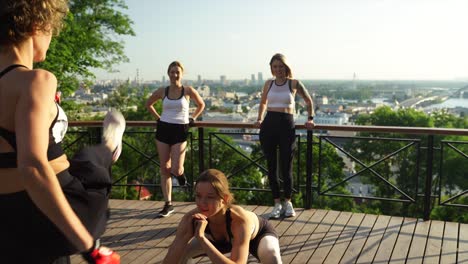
(294,83)
(267,85)
(158,93)
(240,214)
(40,83)
(190,90)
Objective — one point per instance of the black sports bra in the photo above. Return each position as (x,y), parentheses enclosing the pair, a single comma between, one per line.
(56,132)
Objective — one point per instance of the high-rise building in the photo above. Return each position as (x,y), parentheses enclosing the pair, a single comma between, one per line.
(164,79)
(260,78)
(199,79)
(252,78)
(223,79)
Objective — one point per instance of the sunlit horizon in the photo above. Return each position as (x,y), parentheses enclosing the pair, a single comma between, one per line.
(322,39)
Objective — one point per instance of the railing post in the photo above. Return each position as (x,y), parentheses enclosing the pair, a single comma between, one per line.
(308,196)
(428,185)
(201,151)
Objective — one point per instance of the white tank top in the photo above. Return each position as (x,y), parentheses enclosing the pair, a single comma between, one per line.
(280,95)
(60,126)
(175,111)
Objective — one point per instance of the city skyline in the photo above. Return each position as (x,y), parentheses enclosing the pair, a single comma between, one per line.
(322,39)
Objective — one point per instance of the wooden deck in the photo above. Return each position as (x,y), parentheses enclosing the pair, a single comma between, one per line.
(313,236)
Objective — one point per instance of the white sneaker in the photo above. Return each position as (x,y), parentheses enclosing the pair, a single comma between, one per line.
(113,130)
(289,210)
(276,212)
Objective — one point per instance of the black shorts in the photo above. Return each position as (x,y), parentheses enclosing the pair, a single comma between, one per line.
(265,229)
(28,236)
(171,133)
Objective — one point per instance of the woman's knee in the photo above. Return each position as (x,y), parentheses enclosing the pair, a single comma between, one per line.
(177,171)
(165,171)
(269,250)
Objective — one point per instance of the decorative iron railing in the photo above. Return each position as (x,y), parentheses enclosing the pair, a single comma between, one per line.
(396,164)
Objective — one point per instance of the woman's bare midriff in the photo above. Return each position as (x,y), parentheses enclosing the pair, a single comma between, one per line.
(281,110)
(11,181)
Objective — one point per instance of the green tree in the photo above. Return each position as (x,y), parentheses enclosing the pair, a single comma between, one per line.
(89,40)
(402,168)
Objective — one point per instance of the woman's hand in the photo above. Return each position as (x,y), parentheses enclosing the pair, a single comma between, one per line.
(200,223)
(309,124)
(258,123)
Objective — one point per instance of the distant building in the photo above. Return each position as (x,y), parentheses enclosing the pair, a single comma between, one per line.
(227,95)
(223,79)
(222,117)
(203,90)
(163,80)
(321,100)
(328,108)
(331,119)
(260,78)
(252,78)
(199,80)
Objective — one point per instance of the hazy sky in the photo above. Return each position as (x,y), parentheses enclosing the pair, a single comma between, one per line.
(322,39)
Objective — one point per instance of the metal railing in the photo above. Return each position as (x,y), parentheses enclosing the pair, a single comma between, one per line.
(424,185)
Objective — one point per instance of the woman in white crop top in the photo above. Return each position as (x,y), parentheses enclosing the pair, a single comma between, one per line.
(277,129)
(172,129)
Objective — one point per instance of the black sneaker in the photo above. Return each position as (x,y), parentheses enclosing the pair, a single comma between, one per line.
(182,180)
(167,210)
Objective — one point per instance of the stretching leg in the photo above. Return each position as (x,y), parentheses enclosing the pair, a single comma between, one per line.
(164,151)
(269,250)
(178,158)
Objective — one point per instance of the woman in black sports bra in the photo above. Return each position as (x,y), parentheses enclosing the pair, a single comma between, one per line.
(50,206)
(217,227)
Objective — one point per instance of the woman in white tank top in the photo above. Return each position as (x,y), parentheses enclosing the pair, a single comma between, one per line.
(172,129)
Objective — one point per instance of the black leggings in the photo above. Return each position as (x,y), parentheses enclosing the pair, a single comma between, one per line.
(28,236)
(278,130)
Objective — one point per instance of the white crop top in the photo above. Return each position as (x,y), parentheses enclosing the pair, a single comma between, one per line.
(175,111)
(280,95)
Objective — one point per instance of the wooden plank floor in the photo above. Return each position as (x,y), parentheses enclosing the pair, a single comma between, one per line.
(313,236)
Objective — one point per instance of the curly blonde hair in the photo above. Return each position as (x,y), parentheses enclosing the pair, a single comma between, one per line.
(19,19)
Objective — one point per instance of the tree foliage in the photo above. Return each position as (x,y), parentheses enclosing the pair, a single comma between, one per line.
(402,169)
(89,40)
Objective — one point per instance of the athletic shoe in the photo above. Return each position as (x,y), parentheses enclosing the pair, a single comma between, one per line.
(167,210)
(113,130)
(289,210)
(276,212)
(181,180)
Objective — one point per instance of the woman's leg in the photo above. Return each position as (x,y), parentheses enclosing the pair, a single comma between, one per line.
(286,148)
(269,250)
(177,160)
(164,152)
(268,144)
